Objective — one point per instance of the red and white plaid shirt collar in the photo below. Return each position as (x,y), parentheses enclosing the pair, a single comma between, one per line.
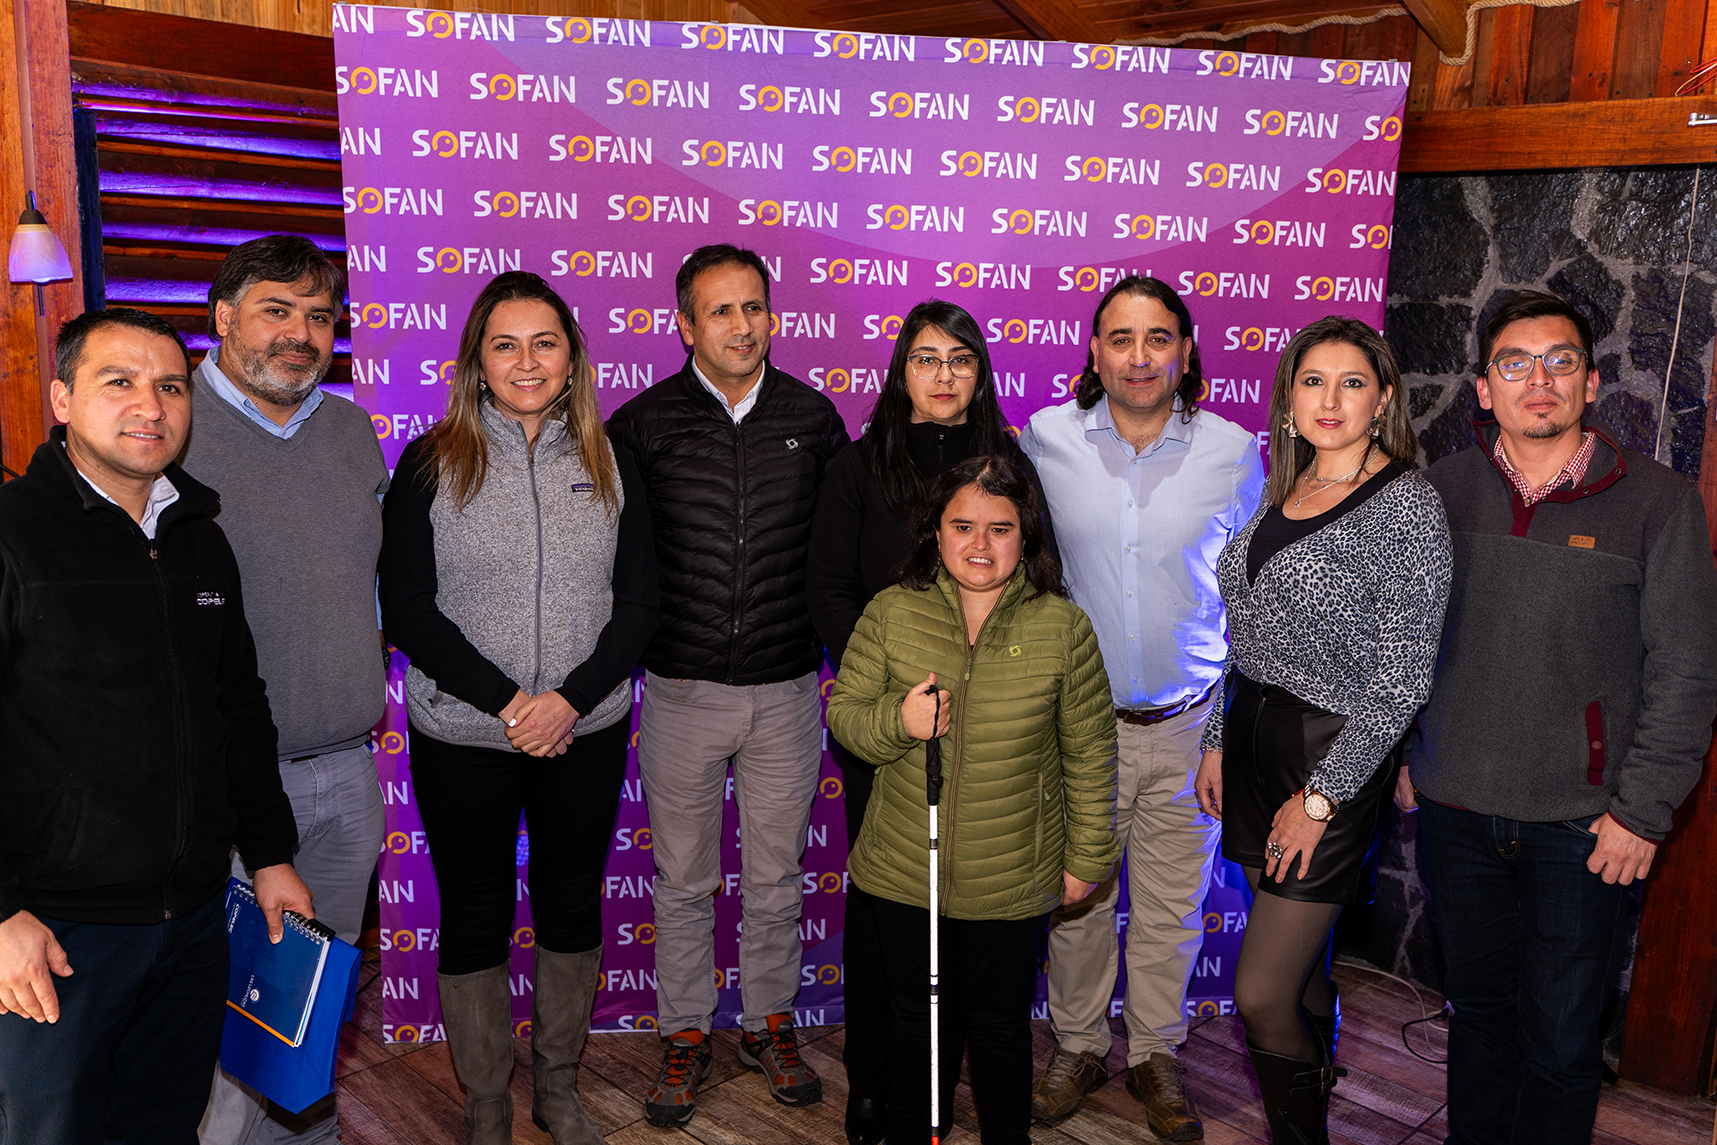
(1574,471)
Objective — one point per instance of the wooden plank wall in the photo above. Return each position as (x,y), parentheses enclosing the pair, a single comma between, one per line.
(315,17)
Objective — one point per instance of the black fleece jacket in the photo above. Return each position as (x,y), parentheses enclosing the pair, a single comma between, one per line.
(1578,668)
(731,506)
(136,746)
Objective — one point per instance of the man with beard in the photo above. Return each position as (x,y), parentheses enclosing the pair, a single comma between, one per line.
(733,451)
(1569,717)
(299,472)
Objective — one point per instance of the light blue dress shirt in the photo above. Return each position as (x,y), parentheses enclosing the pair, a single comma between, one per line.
(210,372)
(1139,535)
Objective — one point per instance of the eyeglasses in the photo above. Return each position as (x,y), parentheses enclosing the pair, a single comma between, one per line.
(1516,366)
(925,367)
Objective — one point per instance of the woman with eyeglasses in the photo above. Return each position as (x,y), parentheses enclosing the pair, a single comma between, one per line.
(1335,593)
(937,407)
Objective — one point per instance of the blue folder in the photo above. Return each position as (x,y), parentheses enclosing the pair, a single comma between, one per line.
(295,1077)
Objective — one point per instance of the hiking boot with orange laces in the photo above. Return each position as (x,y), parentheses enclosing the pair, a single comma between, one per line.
(685,1063)
(775,1054)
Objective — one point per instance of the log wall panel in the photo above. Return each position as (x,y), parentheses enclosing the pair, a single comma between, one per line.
(1683,29)
(1639,47)
(1595,49)
(1551,68)
(1511,54)
(1484,49)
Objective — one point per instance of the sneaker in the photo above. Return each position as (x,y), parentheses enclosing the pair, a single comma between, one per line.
(1065,1082)
(1155,1082)
(775,1055)
(674,1098)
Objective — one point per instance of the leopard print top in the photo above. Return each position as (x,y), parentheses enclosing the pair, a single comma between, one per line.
(1348,619)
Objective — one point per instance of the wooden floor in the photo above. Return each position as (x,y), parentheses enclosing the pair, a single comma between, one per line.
(397,1094)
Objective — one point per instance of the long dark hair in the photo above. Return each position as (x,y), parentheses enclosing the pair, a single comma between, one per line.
(999,476)
(1289,456)
(1090,386)
(884,443)
(458,448)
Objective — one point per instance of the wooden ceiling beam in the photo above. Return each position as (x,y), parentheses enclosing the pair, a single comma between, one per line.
(784,14)
(1445,21)
(1055,20)
(1607,133)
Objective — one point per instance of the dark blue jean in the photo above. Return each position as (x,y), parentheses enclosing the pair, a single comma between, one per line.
(134,1050)
(1529,936)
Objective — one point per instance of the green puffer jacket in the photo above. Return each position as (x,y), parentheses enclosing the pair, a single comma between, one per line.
(1028,763)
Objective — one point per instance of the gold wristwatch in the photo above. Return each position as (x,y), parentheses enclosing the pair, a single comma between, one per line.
(1320,808)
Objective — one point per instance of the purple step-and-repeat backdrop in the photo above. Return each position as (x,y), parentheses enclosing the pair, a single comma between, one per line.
(1019,179)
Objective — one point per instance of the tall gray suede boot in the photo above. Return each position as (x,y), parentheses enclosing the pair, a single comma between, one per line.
(560,1020)
(478,1011)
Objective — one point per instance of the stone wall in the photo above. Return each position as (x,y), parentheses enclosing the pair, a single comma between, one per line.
(1614,241)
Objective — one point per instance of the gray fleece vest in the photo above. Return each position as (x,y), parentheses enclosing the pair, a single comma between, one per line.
(525,570)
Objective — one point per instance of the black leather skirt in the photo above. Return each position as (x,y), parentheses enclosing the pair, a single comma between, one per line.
(1271,741)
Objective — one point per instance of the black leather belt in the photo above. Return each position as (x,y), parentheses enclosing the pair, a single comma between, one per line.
(1145,717)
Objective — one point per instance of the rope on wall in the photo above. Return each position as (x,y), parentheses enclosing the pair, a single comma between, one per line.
(1465,57)
(1662,452)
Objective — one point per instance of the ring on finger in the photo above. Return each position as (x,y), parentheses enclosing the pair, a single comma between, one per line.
(1273,849)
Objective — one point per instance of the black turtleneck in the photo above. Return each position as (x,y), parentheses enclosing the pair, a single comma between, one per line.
(935,449)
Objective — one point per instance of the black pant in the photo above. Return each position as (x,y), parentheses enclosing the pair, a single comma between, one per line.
(988,970)
(864,988)
(140,1027)
(470,799)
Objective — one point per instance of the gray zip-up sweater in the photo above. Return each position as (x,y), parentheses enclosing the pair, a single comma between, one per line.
(1578,667)
(533,585)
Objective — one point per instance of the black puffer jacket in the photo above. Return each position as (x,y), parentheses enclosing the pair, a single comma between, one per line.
(731,509)
(136,746)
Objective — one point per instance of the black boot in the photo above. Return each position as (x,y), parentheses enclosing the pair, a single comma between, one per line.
(1296,1096)
(867,1120)
(1327,1026)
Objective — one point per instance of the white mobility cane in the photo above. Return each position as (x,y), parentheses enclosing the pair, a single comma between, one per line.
(933,791)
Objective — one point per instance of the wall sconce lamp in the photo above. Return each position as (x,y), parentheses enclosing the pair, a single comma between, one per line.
(36,255)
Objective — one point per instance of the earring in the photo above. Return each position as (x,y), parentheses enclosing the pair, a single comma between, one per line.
(481,384)
(1376,429)
(1289,427)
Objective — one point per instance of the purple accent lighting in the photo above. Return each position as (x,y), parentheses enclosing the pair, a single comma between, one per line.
(241,190)
(202,136)
(212,236)
(84,92)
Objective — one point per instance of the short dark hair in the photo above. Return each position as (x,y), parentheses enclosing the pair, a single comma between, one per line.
(1525,306)
(999,476)
(68,347)
(274,258)
(708,258)
(1090,386)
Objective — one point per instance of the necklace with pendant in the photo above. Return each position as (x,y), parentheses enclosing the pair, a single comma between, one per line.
(1327,482)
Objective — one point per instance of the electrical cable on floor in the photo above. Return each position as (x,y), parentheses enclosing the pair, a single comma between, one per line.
(1675,339)
(1426,1016)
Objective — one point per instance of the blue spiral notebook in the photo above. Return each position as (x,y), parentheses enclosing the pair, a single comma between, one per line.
(273,984)
(294,1077)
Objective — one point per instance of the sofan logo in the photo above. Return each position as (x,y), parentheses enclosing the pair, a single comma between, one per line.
(1366,73)
(1279,232)
(734,38)
(1352,181)
(465,144)
(1245,66)
(658,93)
(1378,236)
(1384,127)
(598,30)
(1040,222)
(865,46)
(1170,117)
(732,153)
(1049,110)
(399,316)
(984,275)
(458,25)
(790,100)
(917,217)
(1234,176)
(1120,58)
(789,213)
(600,149)
(990,164)
(1032,331)
(843,160)
(859,271)
(1293,124)
(1112,169)
(921,105)
(1162,228)
(640,321)
(1337,288)
(524,87)
(524,205)
(410,83)
(603,264)
(658,209)
(467,260)
(1090,278)
(843,380)
(1224,284)
(1009,53)
(801,324)
(391,200)
(1257,339)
